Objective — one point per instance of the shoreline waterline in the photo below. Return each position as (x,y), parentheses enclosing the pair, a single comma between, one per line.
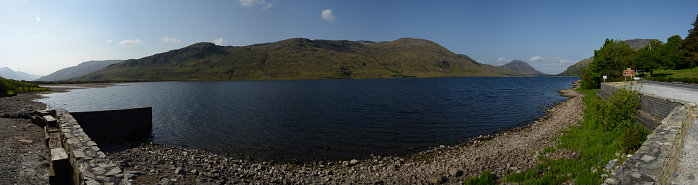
(510,150)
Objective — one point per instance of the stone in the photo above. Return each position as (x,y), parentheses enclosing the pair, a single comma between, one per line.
(25,141)
(113,171)
(437,179)
(79,154)
(636,175)
(455,172)
(353,162)
(611,181)
(179,171)
(72,141)
(611,164)
(99,170)
(647,158)
(91,143)
(91,182)
(165,181)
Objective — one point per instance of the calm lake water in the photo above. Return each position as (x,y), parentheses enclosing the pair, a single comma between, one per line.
(325,119)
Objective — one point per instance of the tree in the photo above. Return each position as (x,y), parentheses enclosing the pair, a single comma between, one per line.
(672,57)
(610,60)
(690,46)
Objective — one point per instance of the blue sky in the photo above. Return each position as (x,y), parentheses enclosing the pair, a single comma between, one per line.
(41,37)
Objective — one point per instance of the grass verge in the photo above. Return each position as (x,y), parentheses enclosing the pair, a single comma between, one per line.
(683,75)
(596,141)
(485,178)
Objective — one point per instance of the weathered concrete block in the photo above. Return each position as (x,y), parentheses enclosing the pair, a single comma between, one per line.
(59,159)
(50,121)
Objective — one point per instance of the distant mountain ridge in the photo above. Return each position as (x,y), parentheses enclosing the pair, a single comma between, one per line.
(8,73)
(299,58)
(78,71)
(577,68)
(636,44)
(522,67)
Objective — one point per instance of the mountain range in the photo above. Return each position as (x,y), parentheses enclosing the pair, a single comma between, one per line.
(522,67)
(8,73)
(299,58)
(78,71)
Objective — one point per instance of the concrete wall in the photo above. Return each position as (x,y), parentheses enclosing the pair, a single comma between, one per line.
(116,125)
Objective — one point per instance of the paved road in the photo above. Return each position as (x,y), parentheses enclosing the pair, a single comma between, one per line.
(684,92)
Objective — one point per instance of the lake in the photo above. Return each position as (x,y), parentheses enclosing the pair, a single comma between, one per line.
(325,119)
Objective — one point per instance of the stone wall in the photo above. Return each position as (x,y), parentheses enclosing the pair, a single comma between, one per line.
(665,157)
(89,164)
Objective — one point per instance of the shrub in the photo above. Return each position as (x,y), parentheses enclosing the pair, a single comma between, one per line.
(616,113)
(633,138)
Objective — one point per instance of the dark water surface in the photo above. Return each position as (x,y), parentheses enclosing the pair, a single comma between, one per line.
(325,119)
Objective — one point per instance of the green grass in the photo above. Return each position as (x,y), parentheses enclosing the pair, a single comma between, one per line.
(595,145)
(682,75)
(485,178)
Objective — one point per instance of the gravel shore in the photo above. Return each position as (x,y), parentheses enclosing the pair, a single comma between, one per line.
(509,151)
(24,155)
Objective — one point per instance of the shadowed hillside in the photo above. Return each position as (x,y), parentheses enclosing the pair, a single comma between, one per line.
(300,58)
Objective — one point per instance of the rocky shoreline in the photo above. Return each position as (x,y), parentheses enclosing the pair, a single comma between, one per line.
(502,153)
(24,154)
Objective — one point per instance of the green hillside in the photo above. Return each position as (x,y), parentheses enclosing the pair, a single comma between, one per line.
(299,58)
(577,68)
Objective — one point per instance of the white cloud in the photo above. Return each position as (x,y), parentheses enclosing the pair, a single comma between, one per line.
(268,6)
(549,60)
(220,41)
(170,40)
(328,16)
(130,42)
(550,65)
(108,41)
(502,59)
(37,18)
(251,3)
